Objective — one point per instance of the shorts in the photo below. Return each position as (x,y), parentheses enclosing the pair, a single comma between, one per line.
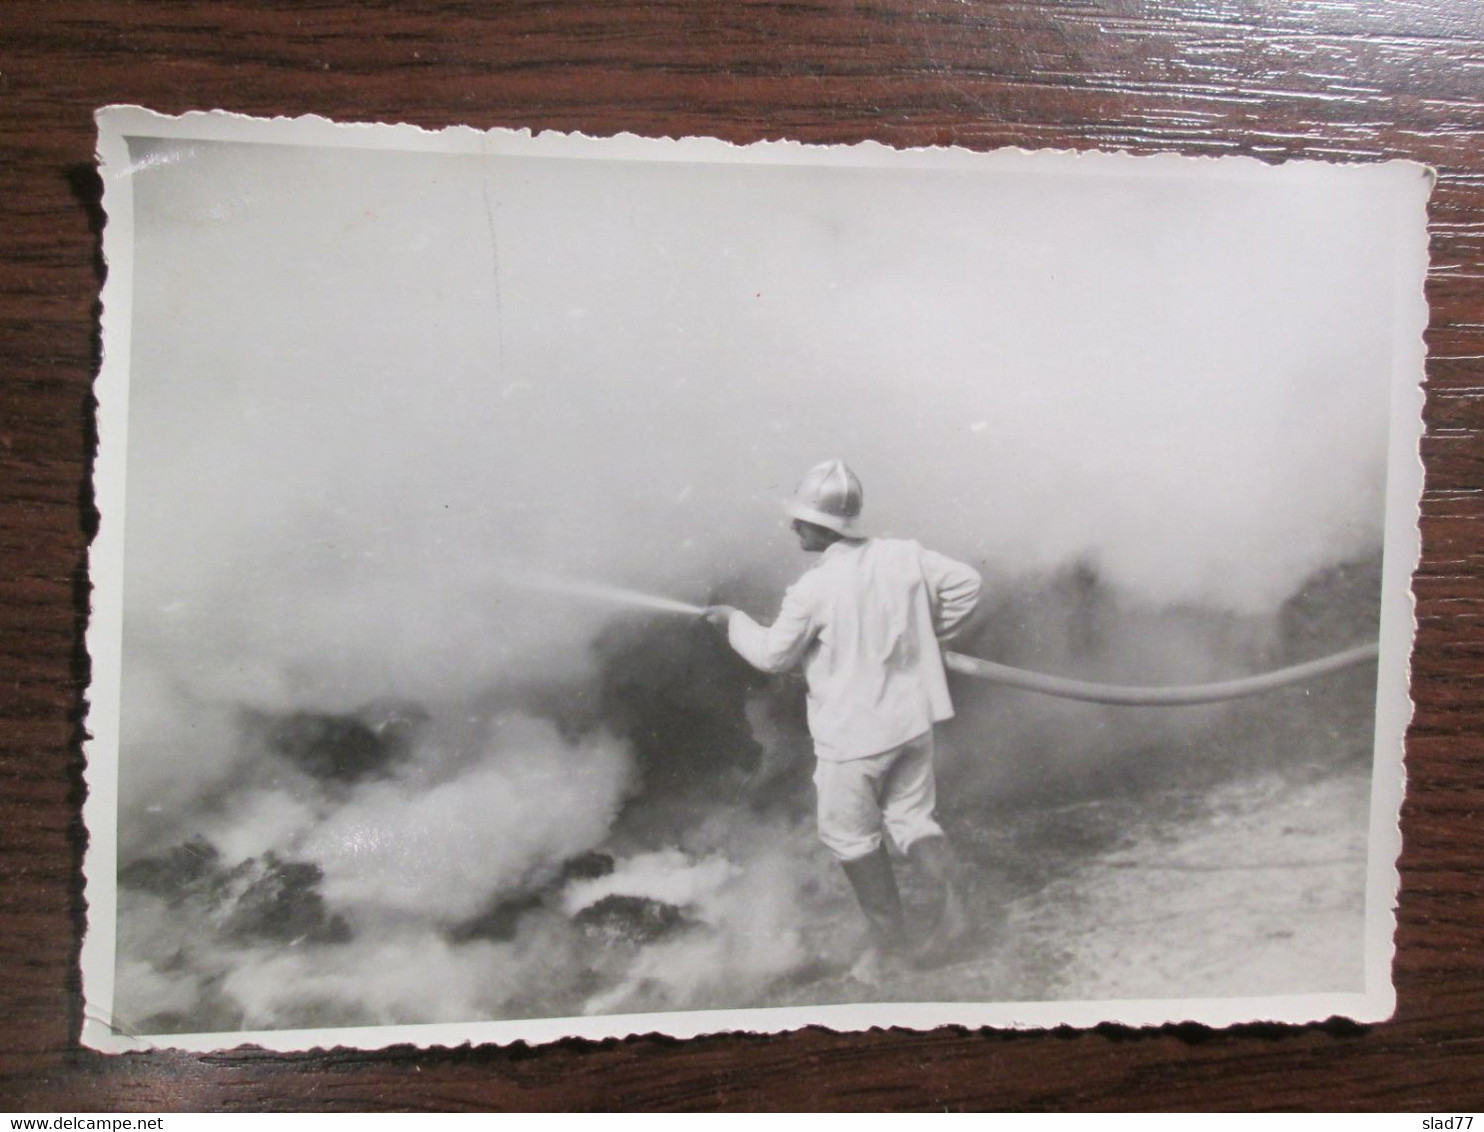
(893,790)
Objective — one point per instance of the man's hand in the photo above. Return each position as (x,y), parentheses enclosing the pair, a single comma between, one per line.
(718,615)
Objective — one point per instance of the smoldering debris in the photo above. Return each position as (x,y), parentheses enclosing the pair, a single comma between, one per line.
(342,747)
(473,832)
(631,920)
(259,899)
(500,921)
(641,838)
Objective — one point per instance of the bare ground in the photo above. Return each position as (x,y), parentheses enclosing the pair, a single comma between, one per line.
(1252,888)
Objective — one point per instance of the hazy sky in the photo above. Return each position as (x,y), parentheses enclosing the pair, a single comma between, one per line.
(366,384)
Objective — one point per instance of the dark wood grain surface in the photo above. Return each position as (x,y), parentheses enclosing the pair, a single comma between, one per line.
(1363,79)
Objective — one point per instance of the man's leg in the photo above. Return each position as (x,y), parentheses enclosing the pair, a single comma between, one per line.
(876,891)
(908,799)
(850,827)
(948,919)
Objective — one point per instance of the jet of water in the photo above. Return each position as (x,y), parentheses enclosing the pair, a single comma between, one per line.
(613,595)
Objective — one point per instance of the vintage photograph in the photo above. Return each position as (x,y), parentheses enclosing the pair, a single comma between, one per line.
(550,585)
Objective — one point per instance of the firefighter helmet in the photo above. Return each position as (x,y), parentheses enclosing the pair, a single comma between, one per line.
(829,496)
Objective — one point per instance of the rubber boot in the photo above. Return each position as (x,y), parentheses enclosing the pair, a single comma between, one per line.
(947,918)
(876,890)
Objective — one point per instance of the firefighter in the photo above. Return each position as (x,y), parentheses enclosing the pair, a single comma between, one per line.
(865,624)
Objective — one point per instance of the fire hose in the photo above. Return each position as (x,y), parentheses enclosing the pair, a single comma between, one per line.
(1155,696)
(1021,678)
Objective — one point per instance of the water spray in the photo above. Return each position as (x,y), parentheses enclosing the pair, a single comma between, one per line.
(612,595)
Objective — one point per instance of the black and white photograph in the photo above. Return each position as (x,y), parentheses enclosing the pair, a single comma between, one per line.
(562,586)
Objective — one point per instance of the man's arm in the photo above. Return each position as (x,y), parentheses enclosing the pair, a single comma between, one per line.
(955,591)
(776,648)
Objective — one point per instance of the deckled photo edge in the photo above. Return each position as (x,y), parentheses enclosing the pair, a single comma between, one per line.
(104,637)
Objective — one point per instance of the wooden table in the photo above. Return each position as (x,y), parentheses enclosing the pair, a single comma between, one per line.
(1363,79)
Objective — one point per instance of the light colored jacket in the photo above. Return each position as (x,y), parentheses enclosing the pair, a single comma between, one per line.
(865,621)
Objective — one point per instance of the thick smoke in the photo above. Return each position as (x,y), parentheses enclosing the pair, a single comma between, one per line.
(370,775)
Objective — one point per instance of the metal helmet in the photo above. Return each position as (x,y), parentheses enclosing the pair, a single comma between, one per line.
(829,496)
